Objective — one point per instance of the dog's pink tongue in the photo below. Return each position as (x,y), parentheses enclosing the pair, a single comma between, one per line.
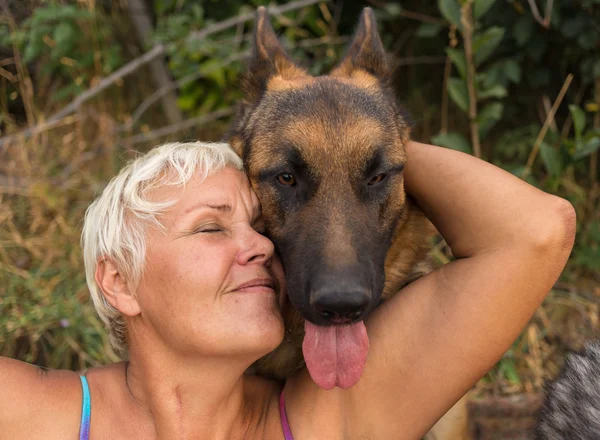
(335,355)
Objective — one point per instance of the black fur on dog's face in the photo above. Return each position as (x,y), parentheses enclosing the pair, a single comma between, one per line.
(325,156)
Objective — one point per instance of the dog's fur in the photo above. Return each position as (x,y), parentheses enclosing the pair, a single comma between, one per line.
(335,134)
(571,408)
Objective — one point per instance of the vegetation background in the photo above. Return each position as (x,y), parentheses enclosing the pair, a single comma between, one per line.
(85,84)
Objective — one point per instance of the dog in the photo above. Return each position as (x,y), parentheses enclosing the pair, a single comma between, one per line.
(325,156)
(571,407)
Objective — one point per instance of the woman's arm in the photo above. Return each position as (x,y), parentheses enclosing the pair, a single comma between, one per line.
(36,403)
(434,340)
(478,207)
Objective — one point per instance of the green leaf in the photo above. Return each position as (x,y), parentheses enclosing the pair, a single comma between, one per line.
(450,9)
(457,89)
(455,141)
(509,370)
(493,110)
(186,102)
(587,148)
(458,59)
(523,29)
(512,70)
(572,27)
(496,91)
(214,69)
(63,34)
(488,116)
(486,43)
(480,7)
(32,51)
(393,10)
(552,159)
(588,39)
(428,30)
(578,119)
(538,76)
(66,92)
(537,47)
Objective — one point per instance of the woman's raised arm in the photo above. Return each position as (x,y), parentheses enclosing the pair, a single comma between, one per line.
(434,340)
(478,207)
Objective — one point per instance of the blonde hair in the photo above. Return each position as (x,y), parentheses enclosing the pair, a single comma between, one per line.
(115,223)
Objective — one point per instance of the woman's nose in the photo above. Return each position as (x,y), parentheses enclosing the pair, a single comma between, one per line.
(255,248)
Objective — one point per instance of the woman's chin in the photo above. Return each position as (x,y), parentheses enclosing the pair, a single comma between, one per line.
(257,327)
(265,337)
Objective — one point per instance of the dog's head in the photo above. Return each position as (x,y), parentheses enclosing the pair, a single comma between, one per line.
(325,156)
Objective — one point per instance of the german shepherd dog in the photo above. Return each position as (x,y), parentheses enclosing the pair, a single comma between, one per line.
(571,408)
(325,155)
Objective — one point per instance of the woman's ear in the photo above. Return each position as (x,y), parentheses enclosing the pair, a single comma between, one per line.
(115,289)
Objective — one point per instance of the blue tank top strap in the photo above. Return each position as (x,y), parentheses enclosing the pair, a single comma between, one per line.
(287,432)
(86,413)
(86,410)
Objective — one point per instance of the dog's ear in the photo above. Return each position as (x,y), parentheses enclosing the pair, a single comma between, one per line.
(366,51)
(267,60)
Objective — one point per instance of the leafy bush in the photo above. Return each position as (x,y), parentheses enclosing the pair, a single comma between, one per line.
(69,43)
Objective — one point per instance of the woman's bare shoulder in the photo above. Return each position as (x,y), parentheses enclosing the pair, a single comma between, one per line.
(263,397)
(37,402)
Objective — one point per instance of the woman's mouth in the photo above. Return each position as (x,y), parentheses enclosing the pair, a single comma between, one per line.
(257,285)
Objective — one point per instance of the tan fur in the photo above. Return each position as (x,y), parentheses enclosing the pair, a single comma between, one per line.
(281,83)
(358,78)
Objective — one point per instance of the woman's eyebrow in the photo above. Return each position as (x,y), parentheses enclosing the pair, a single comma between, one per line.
(199,206)
(221,208)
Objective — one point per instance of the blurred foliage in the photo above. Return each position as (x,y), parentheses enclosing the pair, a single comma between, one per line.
(67,42)
(53,50)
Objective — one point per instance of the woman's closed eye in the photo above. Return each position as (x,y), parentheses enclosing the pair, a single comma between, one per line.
(208,229)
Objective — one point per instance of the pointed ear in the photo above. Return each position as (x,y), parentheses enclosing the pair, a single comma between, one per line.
(366,51)
(115,289)
(267,60)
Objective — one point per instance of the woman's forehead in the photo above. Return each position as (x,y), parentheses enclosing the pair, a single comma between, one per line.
(225,191)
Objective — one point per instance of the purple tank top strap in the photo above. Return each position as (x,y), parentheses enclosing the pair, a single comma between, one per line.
(287,432)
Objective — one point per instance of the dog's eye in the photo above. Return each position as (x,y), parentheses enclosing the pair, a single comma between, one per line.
(286,179)
(377,179)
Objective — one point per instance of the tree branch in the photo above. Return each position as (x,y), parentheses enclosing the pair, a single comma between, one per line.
(142,22)
(536,13)
(594,156)
(546,125)
(467,22)
(174,128)
(141,109)
(155,52)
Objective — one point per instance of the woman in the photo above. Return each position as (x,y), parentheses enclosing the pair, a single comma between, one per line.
(191,290)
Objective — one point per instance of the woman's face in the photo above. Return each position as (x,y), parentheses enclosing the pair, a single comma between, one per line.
(211,282)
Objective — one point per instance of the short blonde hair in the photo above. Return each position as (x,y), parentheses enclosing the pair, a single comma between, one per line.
(115,223)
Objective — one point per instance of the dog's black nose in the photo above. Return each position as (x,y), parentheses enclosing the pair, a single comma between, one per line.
(340,307)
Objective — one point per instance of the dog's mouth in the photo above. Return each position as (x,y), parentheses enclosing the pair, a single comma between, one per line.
(335,355)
